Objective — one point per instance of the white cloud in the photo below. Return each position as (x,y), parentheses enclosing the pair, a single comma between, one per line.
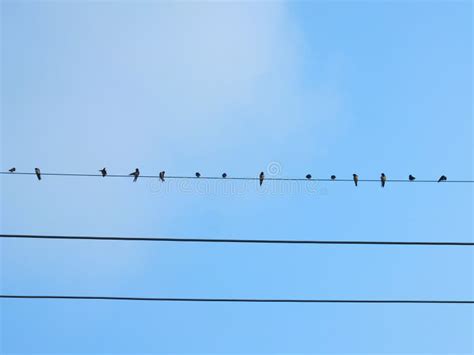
(175,86)
(167,76)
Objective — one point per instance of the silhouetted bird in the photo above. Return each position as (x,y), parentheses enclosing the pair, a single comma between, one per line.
(261,177)
(442,178)
(383,179)
(224,175)
(162,176)
(411,177)
(333,177)
(103,172)
(12,170)
(135,174)
(308,176)
(198,174)
(356,178)
(38,173)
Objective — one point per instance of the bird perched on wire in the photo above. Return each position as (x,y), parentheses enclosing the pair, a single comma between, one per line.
(383,179)
(135,174)
(261,177)
(355,177)
(224,175)
(198,174)
(411,177)
(38,173)
(162,176)
(333,177)
(308,176)
(103,172)
(442,178)
(12,170)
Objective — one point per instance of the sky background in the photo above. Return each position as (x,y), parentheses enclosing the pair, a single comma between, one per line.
(289,88)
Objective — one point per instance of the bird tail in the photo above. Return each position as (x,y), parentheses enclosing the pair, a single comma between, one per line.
(39,177)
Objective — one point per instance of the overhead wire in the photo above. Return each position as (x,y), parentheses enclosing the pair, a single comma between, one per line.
(202,177)
(236,300)
(235,240)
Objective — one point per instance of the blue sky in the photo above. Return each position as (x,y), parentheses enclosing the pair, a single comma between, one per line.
(285,87)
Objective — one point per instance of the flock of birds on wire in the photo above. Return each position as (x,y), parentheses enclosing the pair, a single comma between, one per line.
(261,177)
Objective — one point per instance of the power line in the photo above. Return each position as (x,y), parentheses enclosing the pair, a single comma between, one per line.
(231,178)
(233,240)
(233,300)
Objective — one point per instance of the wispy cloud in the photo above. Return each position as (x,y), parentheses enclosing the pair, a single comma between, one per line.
(174,75)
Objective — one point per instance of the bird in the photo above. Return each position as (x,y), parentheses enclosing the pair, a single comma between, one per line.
(333,177)
(135,174)
(442,178)
(38,173)
(356,178)
(162,176)
(198,174)
(12,170)
(261,177)
(411,177)
(383,179)
(103,172)
(224,175)
(308,176)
